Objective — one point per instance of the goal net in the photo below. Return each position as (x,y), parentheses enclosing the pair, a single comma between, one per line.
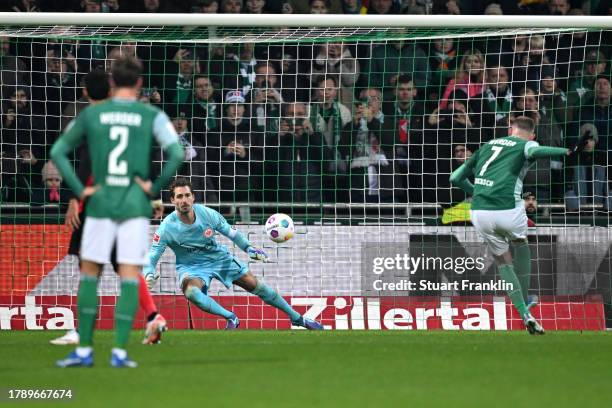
(351,128)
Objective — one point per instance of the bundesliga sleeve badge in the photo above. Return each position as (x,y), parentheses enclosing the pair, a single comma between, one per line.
(208,233)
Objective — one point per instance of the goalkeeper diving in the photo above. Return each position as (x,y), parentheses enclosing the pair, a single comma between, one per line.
(498,212)
(190,232)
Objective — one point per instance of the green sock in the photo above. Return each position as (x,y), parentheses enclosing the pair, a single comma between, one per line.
(522,266)
(87,305)
(516,296)
(126,307)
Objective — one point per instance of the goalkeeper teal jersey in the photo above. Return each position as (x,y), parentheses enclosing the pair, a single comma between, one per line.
(119,134)
(194,245)
(499,169)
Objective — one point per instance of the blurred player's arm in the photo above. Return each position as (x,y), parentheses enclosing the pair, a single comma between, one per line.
(166,137)
(156,201)
(71,138)
(460,177)
(238,238)
(155,252)
(73,220)
(158,209)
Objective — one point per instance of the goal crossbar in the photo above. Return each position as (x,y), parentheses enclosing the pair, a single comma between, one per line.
(305,20)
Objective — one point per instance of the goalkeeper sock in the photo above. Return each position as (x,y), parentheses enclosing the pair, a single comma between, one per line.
(516,296)
(206,303)
(522,267)
(126,307)
(87,304)
(144,297)
(268,295)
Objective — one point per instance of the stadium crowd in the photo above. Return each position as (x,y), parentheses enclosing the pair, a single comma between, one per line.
(360,122)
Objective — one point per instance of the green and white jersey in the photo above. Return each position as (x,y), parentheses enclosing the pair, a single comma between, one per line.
(499,168)
(119,135)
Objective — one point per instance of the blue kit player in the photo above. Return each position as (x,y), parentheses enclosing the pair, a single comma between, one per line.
(190,232)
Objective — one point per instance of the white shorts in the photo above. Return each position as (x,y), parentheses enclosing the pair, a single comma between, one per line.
(131,238)
(498,227)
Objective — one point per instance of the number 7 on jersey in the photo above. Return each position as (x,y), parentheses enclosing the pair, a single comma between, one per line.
(496,151)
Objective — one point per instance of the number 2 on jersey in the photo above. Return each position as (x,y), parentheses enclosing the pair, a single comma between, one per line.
(496,151)
(116,167)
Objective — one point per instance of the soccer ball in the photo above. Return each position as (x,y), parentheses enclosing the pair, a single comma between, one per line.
(279,227)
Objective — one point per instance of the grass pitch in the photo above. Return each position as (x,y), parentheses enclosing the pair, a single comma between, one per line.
(331,369)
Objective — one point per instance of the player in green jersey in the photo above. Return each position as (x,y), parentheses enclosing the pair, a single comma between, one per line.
(119,134)
(498,213)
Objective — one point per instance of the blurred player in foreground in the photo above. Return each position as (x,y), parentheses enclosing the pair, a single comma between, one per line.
(97,89)
(498,210)
(189,231)
(119,134)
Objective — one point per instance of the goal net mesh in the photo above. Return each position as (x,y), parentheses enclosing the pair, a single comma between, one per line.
(353,132)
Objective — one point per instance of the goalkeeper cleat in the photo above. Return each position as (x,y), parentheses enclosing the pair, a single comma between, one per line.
(154,330)
(74,360)
(118,361)
(532,301)
(533,327)
(71,337)
(232,323)
(308,323)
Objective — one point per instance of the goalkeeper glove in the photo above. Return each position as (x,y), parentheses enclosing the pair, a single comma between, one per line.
(151,279)
(257,254)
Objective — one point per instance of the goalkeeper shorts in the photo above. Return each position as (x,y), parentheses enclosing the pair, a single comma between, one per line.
(226,270)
